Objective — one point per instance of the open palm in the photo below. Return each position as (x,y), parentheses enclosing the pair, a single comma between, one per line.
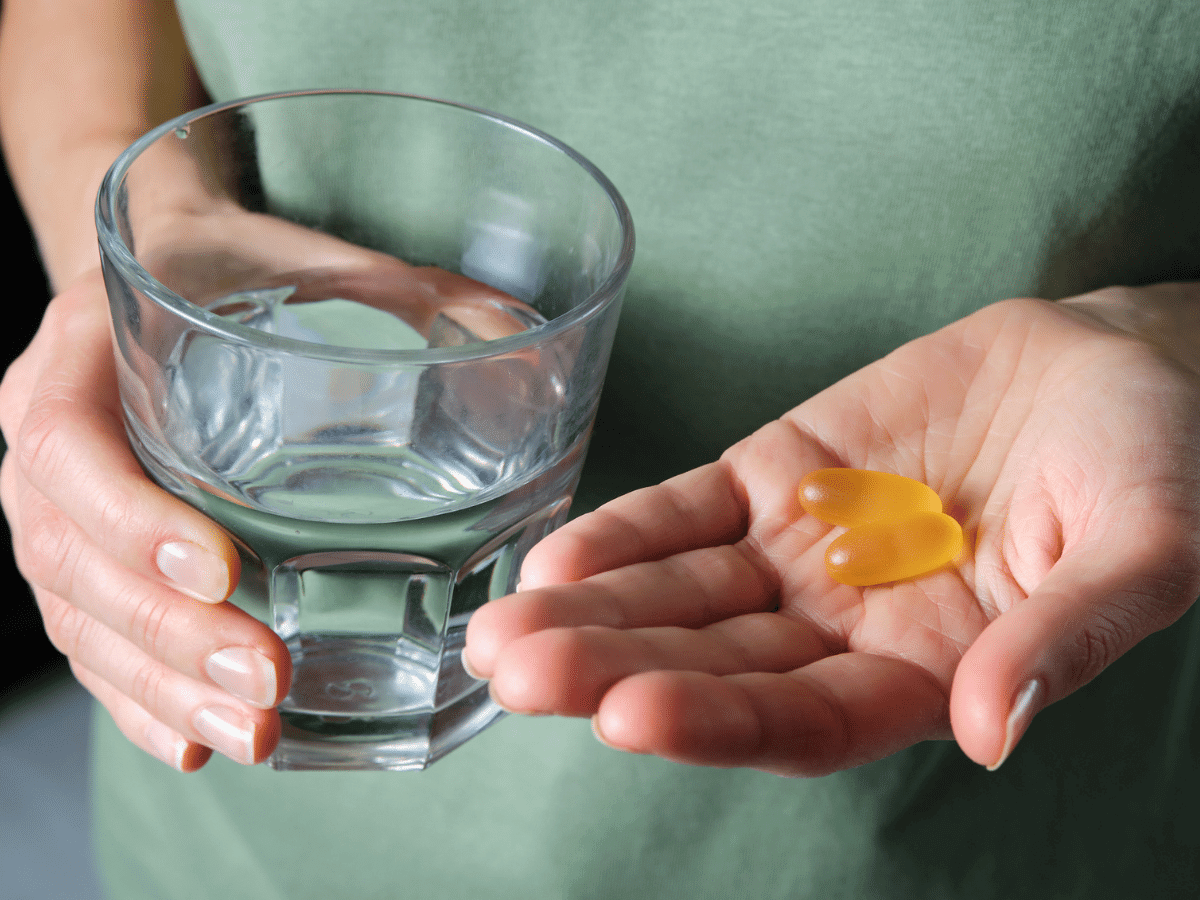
(695,619)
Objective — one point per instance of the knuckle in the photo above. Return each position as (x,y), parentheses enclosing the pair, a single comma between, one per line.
(40,448)
(147,685)
(563,556)
(49,554)
(115,514)
(819,741)
(1098,645)
(148,624)
(736,654)
(49,454)
(834,744)
(69,629)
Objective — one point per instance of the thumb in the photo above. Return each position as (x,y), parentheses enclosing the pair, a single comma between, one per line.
(1096,603)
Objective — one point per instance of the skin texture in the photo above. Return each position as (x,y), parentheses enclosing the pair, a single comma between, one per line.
(695,619)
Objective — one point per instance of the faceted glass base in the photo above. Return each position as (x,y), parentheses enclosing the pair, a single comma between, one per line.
(396,743)
(376,639)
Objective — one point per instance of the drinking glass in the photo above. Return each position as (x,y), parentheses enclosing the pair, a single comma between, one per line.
(366,333)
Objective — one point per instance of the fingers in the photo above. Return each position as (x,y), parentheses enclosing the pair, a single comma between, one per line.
(701,508)
(141,728)
(566,671)
(205,675)
(136,688)
(117,565)
(705,507)
(838,712)
(1095,604)
(479,310)
(62,413)
(690,590)
(754,690)
(216,644)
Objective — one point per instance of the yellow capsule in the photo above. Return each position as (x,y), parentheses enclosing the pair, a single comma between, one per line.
(894,550)
(851,497)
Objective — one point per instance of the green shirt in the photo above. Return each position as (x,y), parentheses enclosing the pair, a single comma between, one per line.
(813,183)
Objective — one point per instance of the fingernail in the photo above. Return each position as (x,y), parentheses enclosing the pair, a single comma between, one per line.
(1025,706)
(245,673)
(598,733)
(227,732)
(194,570)
(166,744)
(466,664)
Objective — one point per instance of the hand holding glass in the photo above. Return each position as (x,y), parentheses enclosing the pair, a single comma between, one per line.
(366,333)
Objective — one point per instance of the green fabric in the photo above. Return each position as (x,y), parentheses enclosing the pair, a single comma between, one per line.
(813,184)
(1098,802)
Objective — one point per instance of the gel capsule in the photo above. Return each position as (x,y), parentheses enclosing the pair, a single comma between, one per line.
(850,497)
(894,549)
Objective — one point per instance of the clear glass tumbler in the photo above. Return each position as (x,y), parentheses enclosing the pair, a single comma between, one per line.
(366,333)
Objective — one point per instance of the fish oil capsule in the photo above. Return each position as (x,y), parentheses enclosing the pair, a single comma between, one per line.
(897,529)
(894,549)
(850,497)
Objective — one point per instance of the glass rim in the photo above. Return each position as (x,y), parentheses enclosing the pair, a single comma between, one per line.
(114,250)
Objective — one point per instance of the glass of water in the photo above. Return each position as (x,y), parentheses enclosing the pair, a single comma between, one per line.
(366,333)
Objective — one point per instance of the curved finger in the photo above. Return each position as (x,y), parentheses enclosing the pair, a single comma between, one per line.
(836,713)
(689,589)
(567,671)
(141,728)
(220,644)
(700,508)
(1095,604)
(71,447)
(198,712)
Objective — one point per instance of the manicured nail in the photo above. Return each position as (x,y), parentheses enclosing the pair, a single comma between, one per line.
(245,673)
(166,744)
(1025,706)
(194,571)
(227,732)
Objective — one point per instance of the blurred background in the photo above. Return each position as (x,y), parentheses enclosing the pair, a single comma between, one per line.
(29,656)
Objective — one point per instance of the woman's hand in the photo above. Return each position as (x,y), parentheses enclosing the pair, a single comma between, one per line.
(129,580)
(695,620)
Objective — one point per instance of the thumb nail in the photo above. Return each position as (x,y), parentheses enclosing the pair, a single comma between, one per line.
(1025,706)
